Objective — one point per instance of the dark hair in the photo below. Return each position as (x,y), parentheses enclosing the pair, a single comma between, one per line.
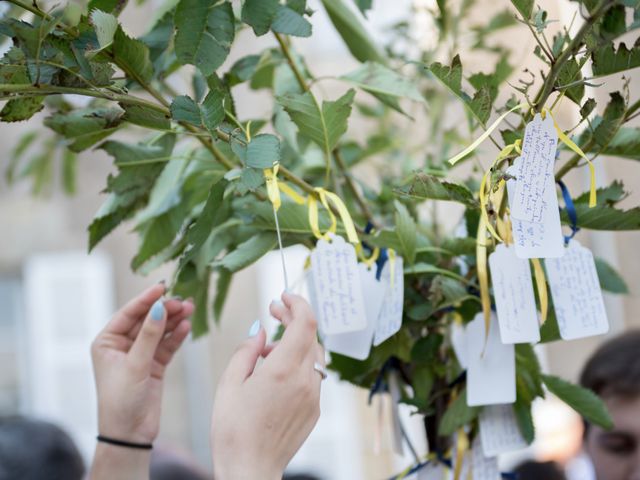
(614,369)
(34,449)
(532,470)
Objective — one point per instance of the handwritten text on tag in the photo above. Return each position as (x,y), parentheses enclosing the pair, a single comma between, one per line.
(491,376)
(337,288)
(358,344)
(513,293)
(390,317)
(577,297)
(535,168)
(499,430)
(537,240)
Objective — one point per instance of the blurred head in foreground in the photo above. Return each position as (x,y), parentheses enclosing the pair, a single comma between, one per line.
(33,450)
(613,373)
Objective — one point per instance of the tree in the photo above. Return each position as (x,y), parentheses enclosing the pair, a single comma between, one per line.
(194,186)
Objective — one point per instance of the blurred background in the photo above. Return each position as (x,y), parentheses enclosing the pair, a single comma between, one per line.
(55,297)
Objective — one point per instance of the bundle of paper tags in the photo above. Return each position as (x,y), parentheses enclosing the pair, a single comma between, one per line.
(356,310)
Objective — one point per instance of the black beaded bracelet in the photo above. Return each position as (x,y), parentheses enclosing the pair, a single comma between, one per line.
(123,443)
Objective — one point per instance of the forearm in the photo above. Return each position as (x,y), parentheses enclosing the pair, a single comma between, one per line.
(111,461)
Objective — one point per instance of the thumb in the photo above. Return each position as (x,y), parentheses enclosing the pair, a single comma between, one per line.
(146,342)
(246,356)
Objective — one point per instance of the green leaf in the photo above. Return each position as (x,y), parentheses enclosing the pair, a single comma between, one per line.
(583,401)
(604,216)
(525,420)
(550,331)
(457,415)
(625,143)
(450,76)
(263,151)
(525,7)
(611,120)
(193,281)
(422,187)
(289,22)
(145,117)
(110,6)
(528,373)
(364,5)
(353,33)
(570,73)
(406,231)
(248,252)
(322,125)
(184,109)
(69,169)
(378,79)
(608,60)
(158,235)
(84,128)
(610,280)
(222,289)
(204,33)
(259,14)
(133,56)
(112,212)
(18,109)
(212,109)
(105,25)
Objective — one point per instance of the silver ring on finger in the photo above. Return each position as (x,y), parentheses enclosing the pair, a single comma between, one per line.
(320,369)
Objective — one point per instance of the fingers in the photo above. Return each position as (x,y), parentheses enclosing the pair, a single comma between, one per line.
(176,311)
(244,359)
(129,315)
(169,345)
(145,344)
(280,312)
(299,339)
(268,349)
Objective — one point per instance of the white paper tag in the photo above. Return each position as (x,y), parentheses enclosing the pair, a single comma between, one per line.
(499,430)
(433,471)
(537,240)
(513,293)
(339,305)
(396,428)
(390,317)
(491,378)
(358,344)
(459,344)
(577,297)
(536,166)
(477,466)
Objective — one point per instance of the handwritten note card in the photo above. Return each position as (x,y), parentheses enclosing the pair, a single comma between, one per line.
(358,344)
(535,169)
(477,466)
(459,344)
(537,240)
(499,431)
(513,293)
(577,297)
(390,317)
(491,376)
(339,304)
(433,471)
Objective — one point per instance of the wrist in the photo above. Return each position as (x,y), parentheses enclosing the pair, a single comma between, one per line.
(112,461)
(244,470)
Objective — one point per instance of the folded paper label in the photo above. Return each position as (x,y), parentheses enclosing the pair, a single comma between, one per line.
(577,297)
(491,376)
(390,317)
(513,294)
(535,169)
(339,305)
(499,431)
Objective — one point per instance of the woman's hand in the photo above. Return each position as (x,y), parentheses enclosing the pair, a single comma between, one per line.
(261,416)
(129,360)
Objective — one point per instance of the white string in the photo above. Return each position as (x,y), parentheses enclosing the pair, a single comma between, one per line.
(284,266)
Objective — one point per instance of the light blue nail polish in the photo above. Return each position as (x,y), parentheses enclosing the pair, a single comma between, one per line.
(157,311)
(255,328)
(277,302)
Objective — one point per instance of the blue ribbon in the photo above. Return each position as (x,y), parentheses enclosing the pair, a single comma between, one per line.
(382,258)
(571,212)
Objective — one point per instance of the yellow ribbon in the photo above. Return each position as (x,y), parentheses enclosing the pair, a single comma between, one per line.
(291,193)
(327,197)
(271,180)
(462,445)
(541,285)
(483,276)
(367,261)
(576,149)
(485,135)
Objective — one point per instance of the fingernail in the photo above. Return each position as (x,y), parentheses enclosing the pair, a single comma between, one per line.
(178,297)
(163,281)
(157,311)
(255,328)
(277,302)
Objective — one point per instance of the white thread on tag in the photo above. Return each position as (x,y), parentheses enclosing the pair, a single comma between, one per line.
(357,344)
(537,240)
(339,304)
(513,294)
(535,168)
(577,297)
(499,431)
(491,375)
(390,317)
